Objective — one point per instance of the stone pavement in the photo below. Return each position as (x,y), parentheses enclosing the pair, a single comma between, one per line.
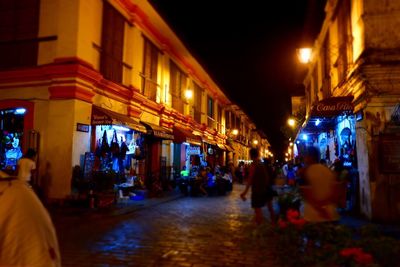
(204,231)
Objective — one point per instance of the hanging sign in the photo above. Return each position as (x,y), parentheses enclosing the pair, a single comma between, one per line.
(99,117)
(333,106)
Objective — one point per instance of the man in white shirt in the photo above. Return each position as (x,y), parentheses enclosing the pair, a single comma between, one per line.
(28,237)
(26,165)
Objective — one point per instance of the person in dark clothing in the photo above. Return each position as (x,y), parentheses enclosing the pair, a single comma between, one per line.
(261,191)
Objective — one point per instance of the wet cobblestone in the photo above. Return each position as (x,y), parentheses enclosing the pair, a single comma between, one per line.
(195,232)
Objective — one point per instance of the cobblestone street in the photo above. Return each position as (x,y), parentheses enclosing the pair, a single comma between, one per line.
(204,231)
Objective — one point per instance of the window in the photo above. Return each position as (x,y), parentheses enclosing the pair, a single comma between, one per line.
(219,118)
(177,86)
(150,65)
(343,27)
(198,95)
(210,113)
(228,119)
(19,26)
(112,44)
(325,68)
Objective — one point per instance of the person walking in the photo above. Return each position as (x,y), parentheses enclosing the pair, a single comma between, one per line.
(28,237)
(319,190)
(259,182)
(26,166)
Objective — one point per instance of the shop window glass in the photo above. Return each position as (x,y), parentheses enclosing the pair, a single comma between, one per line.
(19,25)
(11,134)
(177,86)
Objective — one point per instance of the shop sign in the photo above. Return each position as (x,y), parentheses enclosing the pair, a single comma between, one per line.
(389,150)
(100,118)
(80,127)
(161,134)
(193,150)
(333,106)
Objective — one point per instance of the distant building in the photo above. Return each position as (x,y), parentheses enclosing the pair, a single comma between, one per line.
(352,91)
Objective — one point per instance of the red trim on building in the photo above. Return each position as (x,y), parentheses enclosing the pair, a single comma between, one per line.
(70,92)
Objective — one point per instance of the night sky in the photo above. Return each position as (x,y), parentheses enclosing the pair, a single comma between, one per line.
(249,49)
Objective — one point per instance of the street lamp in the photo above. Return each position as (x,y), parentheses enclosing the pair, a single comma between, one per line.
(304,55)
(291,122)
(255,142)
(235,132)
(188,94)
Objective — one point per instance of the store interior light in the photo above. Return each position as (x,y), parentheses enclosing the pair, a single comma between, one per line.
(298,142)
(255,142)
(305,137)
(121,128)
(20,111)
(235,131)
(317,122)
(291,144)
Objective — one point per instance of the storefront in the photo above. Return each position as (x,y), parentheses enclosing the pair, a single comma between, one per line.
(16,123)
(187,149)
(157,141)
(118,149)
(331,127)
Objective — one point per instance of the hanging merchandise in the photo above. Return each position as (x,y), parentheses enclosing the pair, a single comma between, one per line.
(97,152)
(124,148)
(114,146)
(105,148)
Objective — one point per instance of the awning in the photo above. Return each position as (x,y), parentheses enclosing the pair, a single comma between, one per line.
(102,116)
(221,146)
(182,135)
(210,141)
(158,131)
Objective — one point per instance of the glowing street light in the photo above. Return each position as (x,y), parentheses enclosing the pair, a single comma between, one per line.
(304,55)
(291,122)
(188,94)
(255,142)
(235,132)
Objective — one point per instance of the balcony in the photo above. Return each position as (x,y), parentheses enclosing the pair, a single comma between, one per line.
(211,123)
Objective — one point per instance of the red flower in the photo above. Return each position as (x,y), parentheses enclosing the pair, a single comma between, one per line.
(347,252)
(364,258)
(292,214)
(359,255)
(282,224)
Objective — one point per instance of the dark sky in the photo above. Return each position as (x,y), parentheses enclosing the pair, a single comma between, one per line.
(248,48)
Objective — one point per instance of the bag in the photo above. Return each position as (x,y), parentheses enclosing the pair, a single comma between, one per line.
(114,147)
(105,148)
(124,148)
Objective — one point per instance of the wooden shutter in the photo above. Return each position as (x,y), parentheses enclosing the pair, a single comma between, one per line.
(112,43)
(19,26)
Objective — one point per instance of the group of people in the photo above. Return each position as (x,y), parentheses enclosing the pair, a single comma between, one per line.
(206,180)
(321,187)
(28,237)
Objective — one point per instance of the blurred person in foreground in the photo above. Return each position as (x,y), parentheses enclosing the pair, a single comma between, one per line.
(27,235)
(319,190)
(261,191)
